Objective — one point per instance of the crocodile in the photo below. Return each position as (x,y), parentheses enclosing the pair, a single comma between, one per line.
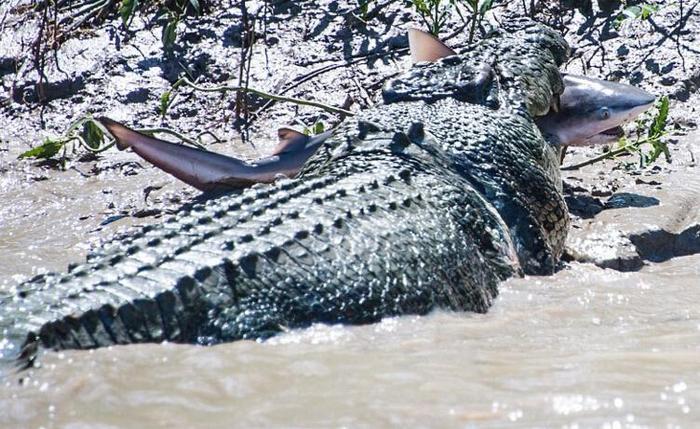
(428,200)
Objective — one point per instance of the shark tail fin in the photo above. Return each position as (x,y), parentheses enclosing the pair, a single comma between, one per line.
(123,135)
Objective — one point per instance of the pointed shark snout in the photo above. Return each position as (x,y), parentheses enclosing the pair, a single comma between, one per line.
(592,111)
(639,97)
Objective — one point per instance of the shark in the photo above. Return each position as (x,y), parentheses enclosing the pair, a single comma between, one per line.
(589,111)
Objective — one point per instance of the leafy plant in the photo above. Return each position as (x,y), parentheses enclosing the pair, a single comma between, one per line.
(85,132)
(48,149)
(175,11)
(649,143)
(478,9)
(316,128)
(641,12)
(434,13)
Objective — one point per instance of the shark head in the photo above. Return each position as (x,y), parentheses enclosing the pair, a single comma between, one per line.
(593,111)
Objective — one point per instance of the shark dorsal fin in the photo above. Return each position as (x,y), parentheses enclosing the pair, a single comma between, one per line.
(289,140)
(426,47)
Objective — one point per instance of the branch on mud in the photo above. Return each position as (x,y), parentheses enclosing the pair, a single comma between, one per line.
(166,99)
(356,59)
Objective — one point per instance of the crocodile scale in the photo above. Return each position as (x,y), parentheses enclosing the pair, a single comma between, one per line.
(425,201)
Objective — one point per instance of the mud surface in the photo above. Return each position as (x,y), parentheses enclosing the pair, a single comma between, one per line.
(611,340)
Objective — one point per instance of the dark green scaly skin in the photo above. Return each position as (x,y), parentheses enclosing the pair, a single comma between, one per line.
(425,202)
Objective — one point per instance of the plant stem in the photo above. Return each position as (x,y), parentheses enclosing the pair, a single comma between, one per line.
(475,14)
(172,133)
(223,88)
(607,155)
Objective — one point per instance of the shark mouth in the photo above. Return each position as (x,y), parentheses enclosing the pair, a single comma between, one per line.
(614,132)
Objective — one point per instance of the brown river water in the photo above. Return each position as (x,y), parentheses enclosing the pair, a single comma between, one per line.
(586,347)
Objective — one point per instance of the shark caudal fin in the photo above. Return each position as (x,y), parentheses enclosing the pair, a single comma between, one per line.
(290,140)
(210,171)
(122,135)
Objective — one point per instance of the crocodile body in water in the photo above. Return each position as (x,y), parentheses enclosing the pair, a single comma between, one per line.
(426,201)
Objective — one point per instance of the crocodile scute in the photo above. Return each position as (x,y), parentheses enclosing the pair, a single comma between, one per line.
(426,201)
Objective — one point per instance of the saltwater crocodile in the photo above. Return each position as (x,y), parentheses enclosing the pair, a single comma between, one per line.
(426,201)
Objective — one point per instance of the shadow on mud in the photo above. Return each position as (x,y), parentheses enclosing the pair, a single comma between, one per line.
(623,200)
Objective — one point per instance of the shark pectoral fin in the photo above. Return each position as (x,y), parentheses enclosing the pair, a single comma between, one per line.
(290,140)
(426,47)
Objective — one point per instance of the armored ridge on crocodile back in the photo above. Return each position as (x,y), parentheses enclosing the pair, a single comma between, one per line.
(427,201)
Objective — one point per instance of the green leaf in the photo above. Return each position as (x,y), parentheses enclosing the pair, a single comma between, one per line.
(169,34)
(485,7)
(632,12)
(92,134)
(318,128)
(46,150)
(164,102)
(126,10)
(658,126)
(647,10)
(622,142)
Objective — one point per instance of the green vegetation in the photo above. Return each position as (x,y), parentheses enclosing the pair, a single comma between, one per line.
(316,128)
(85,133)
(174,11)
(648,143)
(435,13)
(478,9)
(641,12)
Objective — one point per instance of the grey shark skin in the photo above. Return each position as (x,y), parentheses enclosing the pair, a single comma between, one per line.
(210,171)
(592,111)
(427,200)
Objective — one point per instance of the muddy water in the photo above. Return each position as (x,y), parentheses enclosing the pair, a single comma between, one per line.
(584,348)
(50,218)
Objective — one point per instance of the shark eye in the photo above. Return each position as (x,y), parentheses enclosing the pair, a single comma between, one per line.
(604,113)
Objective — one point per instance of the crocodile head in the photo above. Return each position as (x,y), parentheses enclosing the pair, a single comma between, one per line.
(588,111)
